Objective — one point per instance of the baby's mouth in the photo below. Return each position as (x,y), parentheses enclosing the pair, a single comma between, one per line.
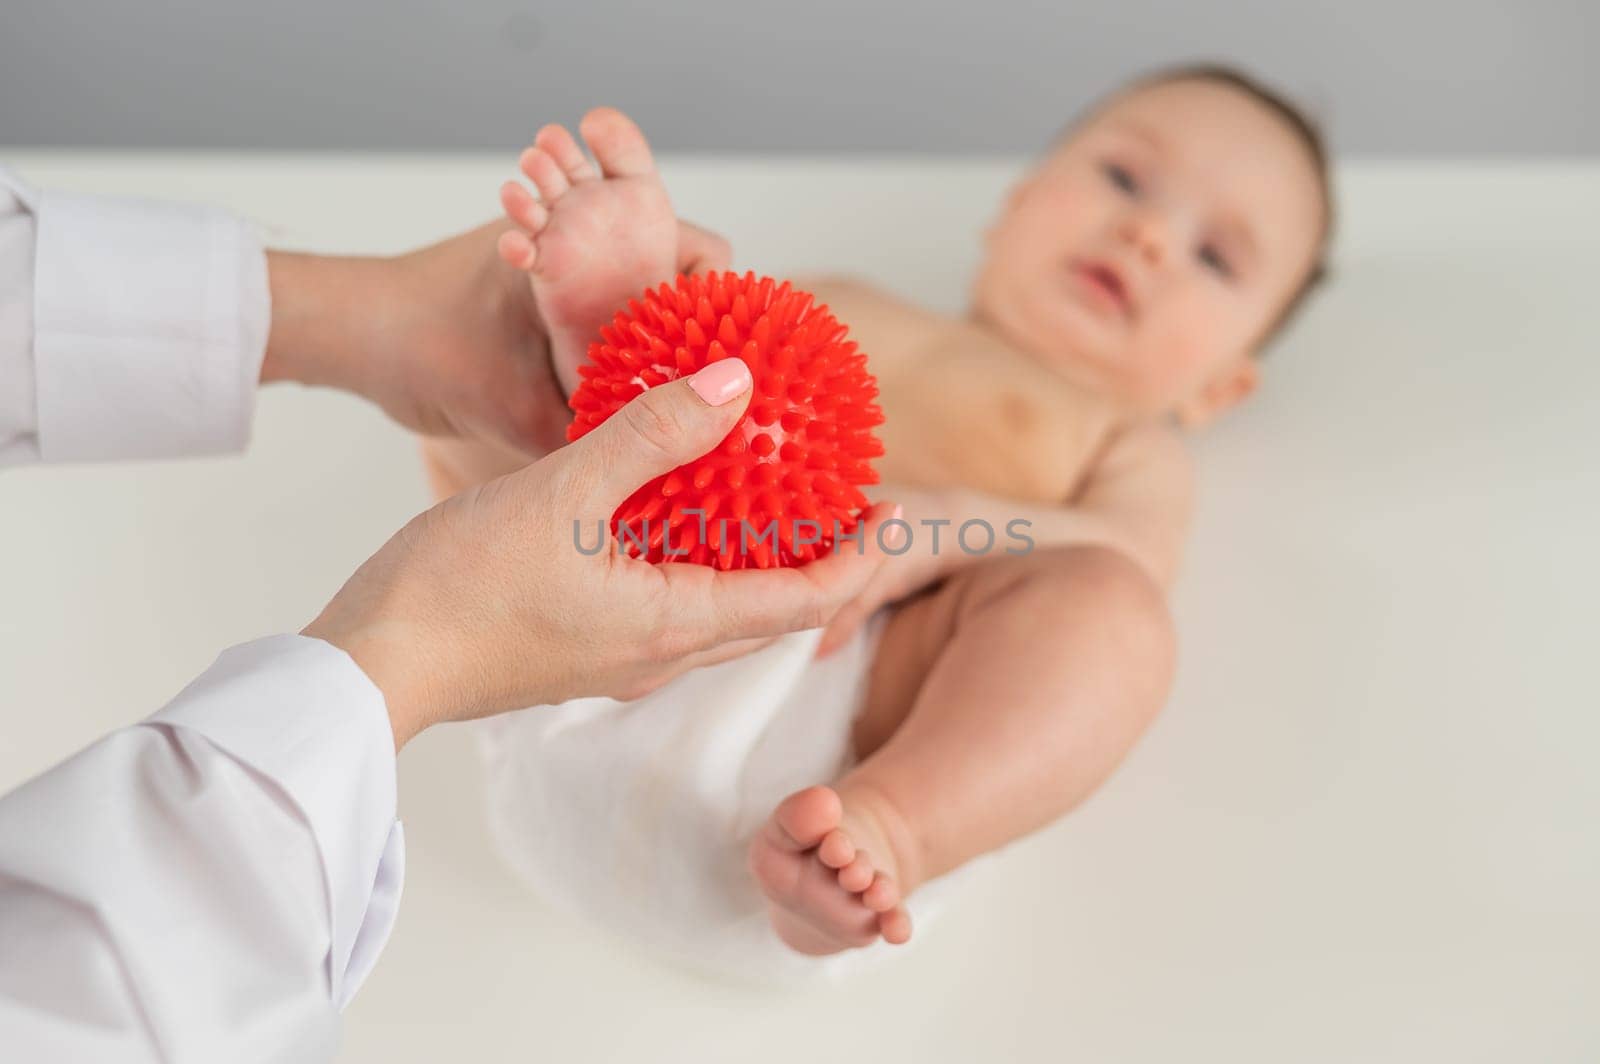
(1105,284)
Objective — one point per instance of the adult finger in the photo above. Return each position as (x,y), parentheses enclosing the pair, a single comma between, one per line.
(716,655)
(657,432)
(749,603)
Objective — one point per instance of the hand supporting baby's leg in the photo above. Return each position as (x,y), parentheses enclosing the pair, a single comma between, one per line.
(599,234)
(996,704)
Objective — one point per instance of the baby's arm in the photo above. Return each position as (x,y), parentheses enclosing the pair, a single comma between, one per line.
(1136,501)
(1142,495)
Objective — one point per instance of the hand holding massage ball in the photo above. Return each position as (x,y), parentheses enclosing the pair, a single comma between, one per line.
(787,477)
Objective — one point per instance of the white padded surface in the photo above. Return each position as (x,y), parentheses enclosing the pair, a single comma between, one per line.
(1363,829)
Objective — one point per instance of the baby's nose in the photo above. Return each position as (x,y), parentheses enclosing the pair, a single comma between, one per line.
(1146,230)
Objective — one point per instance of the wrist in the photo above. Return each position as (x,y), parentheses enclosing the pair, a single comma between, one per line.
(380,654)
(329,316)
(372,619)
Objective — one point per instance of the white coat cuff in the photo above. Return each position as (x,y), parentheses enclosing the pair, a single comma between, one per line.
(301,713)
(150,323)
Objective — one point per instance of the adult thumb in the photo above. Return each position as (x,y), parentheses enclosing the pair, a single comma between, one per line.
(660,430)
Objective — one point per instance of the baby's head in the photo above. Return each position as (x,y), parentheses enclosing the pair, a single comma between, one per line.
(1162,242)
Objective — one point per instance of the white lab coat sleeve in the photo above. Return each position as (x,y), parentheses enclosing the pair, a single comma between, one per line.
(211,884)
(128,329)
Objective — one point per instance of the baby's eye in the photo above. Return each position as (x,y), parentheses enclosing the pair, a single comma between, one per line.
(1214,260)
(1121,177)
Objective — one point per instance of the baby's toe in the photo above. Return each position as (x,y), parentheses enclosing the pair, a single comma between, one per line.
(565,151)
(882,895)
(895,926)
(617,143)
(522,208)
(857,875)
(545,174)
(803,819)
(517,250)
(836,850)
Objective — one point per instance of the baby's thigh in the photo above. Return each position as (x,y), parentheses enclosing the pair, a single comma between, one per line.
(916,634)
(1058,605)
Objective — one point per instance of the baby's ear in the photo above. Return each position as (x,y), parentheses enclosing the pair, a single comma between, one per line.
(1231,385)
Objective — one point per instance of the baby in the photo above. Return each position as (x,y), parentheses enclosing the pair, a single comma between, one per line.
(1128,283)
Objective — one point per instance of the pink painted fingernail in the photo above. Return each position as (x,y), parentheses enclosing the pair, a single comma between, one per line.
(894,536)
(722,381)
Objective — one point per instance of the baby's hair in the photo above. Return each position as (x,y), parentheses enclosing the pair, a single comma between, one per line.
(1304,130)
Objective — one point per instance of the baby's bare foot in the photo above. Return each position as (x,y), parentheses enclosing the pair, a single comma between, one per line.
(826,892)
(594,238)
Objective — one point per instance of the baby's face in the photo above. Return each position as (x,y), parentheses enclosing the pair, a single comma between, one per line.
(1150,253)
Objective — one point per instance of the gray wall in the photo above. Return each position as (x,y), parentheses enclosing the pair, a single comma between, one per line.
(1469,78)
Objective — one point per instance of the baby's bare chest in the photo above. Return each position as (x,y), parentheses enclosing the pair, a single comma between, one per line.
(961,411)
(971,423)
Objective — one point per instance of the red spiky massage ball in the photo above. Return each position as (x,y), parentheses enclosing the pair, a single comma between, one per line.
(800,451)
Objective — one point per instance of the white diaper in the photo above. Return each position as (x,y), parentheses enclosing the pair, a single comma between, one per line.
(637,814)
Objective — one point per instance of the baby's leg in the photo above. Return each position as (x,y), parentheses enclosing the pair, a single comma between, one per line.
(454,465)
(996,703)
